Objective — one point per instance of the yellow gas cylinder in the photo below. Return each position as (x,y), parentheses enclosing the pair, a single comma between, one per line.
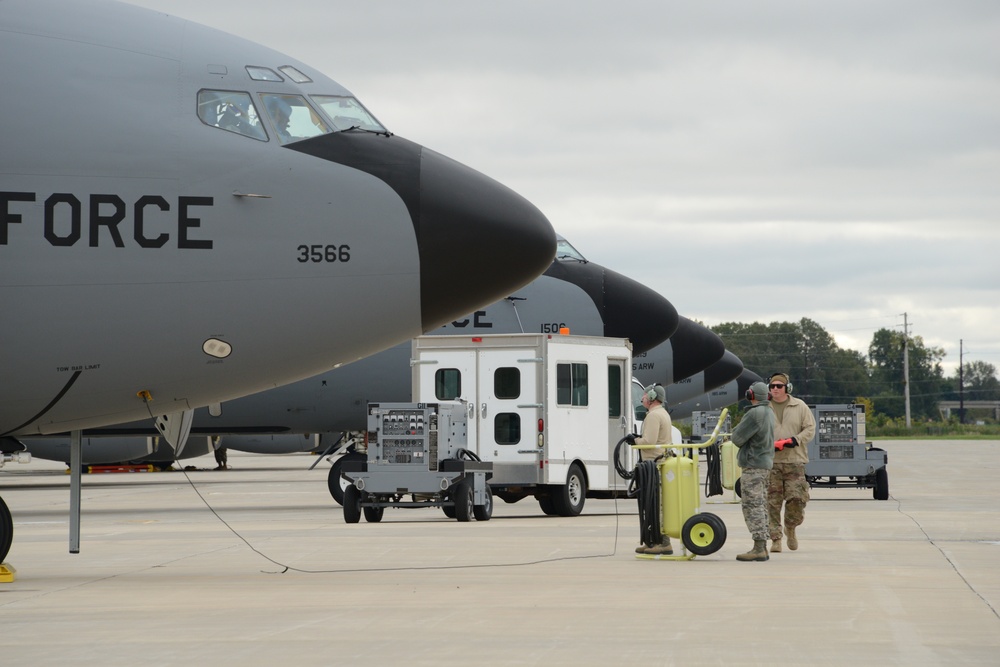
(730,468)
(678,493)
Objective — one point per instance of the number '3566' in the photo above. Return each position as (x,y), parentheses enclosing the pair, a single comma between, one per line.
(324,253)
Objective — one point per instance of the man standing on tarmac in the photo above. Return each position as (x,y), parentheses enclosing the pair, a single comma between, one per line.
(656,430)
(754,436)
(794,429)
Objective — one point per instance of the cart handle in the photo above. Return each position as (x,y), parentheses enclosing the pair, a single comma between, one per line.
(695,445)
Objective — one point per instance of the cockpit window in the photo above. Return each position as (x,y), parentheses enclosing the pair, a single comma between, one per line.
(233,112)
(263,73)
(347,113)
(294,74)
(564,251)
(292,118)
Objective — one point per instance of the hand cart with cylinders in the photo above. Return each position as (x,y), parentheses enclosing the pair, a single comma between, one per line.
(672,494)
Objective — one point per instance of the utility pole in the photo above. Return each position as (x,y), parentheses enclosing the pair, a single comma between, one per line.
(906,368)
(961,385)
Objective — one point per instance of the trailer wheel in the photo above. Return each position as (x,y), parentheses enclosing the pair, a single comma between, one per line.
(464,509)
(352,504)
(335,482)
(373,514)
(738,488)
(703,534)
(881,490)
(6,530)
(485,511)
(569,497)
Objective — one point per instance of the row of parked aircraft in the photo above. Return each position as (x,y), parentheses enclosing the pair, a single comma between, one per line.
(200,235)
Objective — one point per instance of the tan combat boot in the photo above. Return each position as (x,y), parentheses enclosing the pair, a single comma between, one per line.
(663,549)
(758,553)
(793,542)
(776,546)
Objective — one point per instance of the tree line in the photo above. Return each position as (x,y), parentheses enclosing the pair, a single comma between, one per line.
(822,372)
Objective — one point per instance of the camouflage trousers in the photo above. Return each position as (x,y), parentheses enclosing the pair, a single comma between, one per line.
(753,495)
(787,485)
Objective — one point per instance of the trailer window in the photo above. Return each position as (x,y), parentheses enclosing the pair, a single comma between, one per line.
(571,384)
(507,383)
(614,391)
(637,408)
(447,384)
(507,428)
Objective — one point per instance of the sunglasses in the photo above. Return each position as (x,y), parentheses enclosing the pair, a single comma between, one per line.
(776,385)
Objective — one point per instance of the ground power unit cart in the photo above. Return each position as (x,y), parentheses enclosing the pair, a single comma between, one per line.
(417,457)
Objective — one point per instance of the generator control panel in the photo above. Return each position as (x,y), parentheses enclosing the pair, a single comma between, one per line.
(839,430)
(703,423)
(415,434)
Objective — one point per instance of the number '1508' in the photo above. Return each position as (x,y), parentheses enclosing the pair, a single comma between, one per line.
(324,253)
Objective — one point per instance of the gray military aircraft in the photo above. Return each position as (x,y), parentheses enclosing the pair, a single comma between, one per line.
(573,292)
(306,416)
(187,217)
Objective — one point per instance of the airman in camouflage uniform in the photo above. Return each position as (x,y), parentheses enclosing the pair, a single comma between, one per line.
(754,436)
(794,429)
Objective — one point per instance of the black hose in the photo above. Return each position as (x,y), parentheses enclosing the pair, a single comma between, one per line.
(645,486)
(647,482)
(713,474)
(619,465)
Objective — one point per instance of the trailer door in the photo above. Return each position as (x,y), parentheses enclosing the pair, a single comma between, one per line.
(619,422)
(448,375)
(509,408)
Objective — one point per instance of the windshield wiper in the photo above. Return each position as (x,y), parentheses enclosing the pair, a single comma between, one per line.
(386,133)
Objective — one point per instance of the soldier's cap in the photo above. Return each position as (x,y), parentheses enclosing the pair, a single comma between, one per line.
(759,391)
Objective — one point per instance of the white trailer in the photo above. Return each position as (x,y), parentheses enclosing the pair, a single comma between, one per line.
(546,409)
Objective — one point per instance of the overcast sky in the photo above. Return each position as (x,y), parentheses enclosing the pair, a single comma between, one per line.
(752,161)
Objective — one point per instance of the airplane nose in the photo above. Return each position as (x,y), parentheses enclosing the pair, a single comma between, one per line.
(746,378)
(723,371)
(478,240)
(636,312)
(695,348)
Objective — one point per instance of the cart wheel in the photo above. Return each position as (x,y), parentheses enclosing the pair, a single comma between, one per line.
(738,488)
(462,496)
(485,511)
(703,534)
(335,482)
(352,504)
(373,514)
(569,498)
(881,490)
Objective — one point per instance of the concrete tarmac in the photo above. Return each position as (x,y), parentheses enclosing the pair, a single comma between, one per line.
(255,566)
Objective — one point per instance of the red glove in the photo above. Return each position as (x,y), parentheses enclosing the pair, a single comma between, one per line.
(781,444)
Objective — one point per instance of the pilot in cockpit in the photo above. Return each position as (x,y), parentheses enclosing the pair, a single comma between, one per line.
(281,114)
